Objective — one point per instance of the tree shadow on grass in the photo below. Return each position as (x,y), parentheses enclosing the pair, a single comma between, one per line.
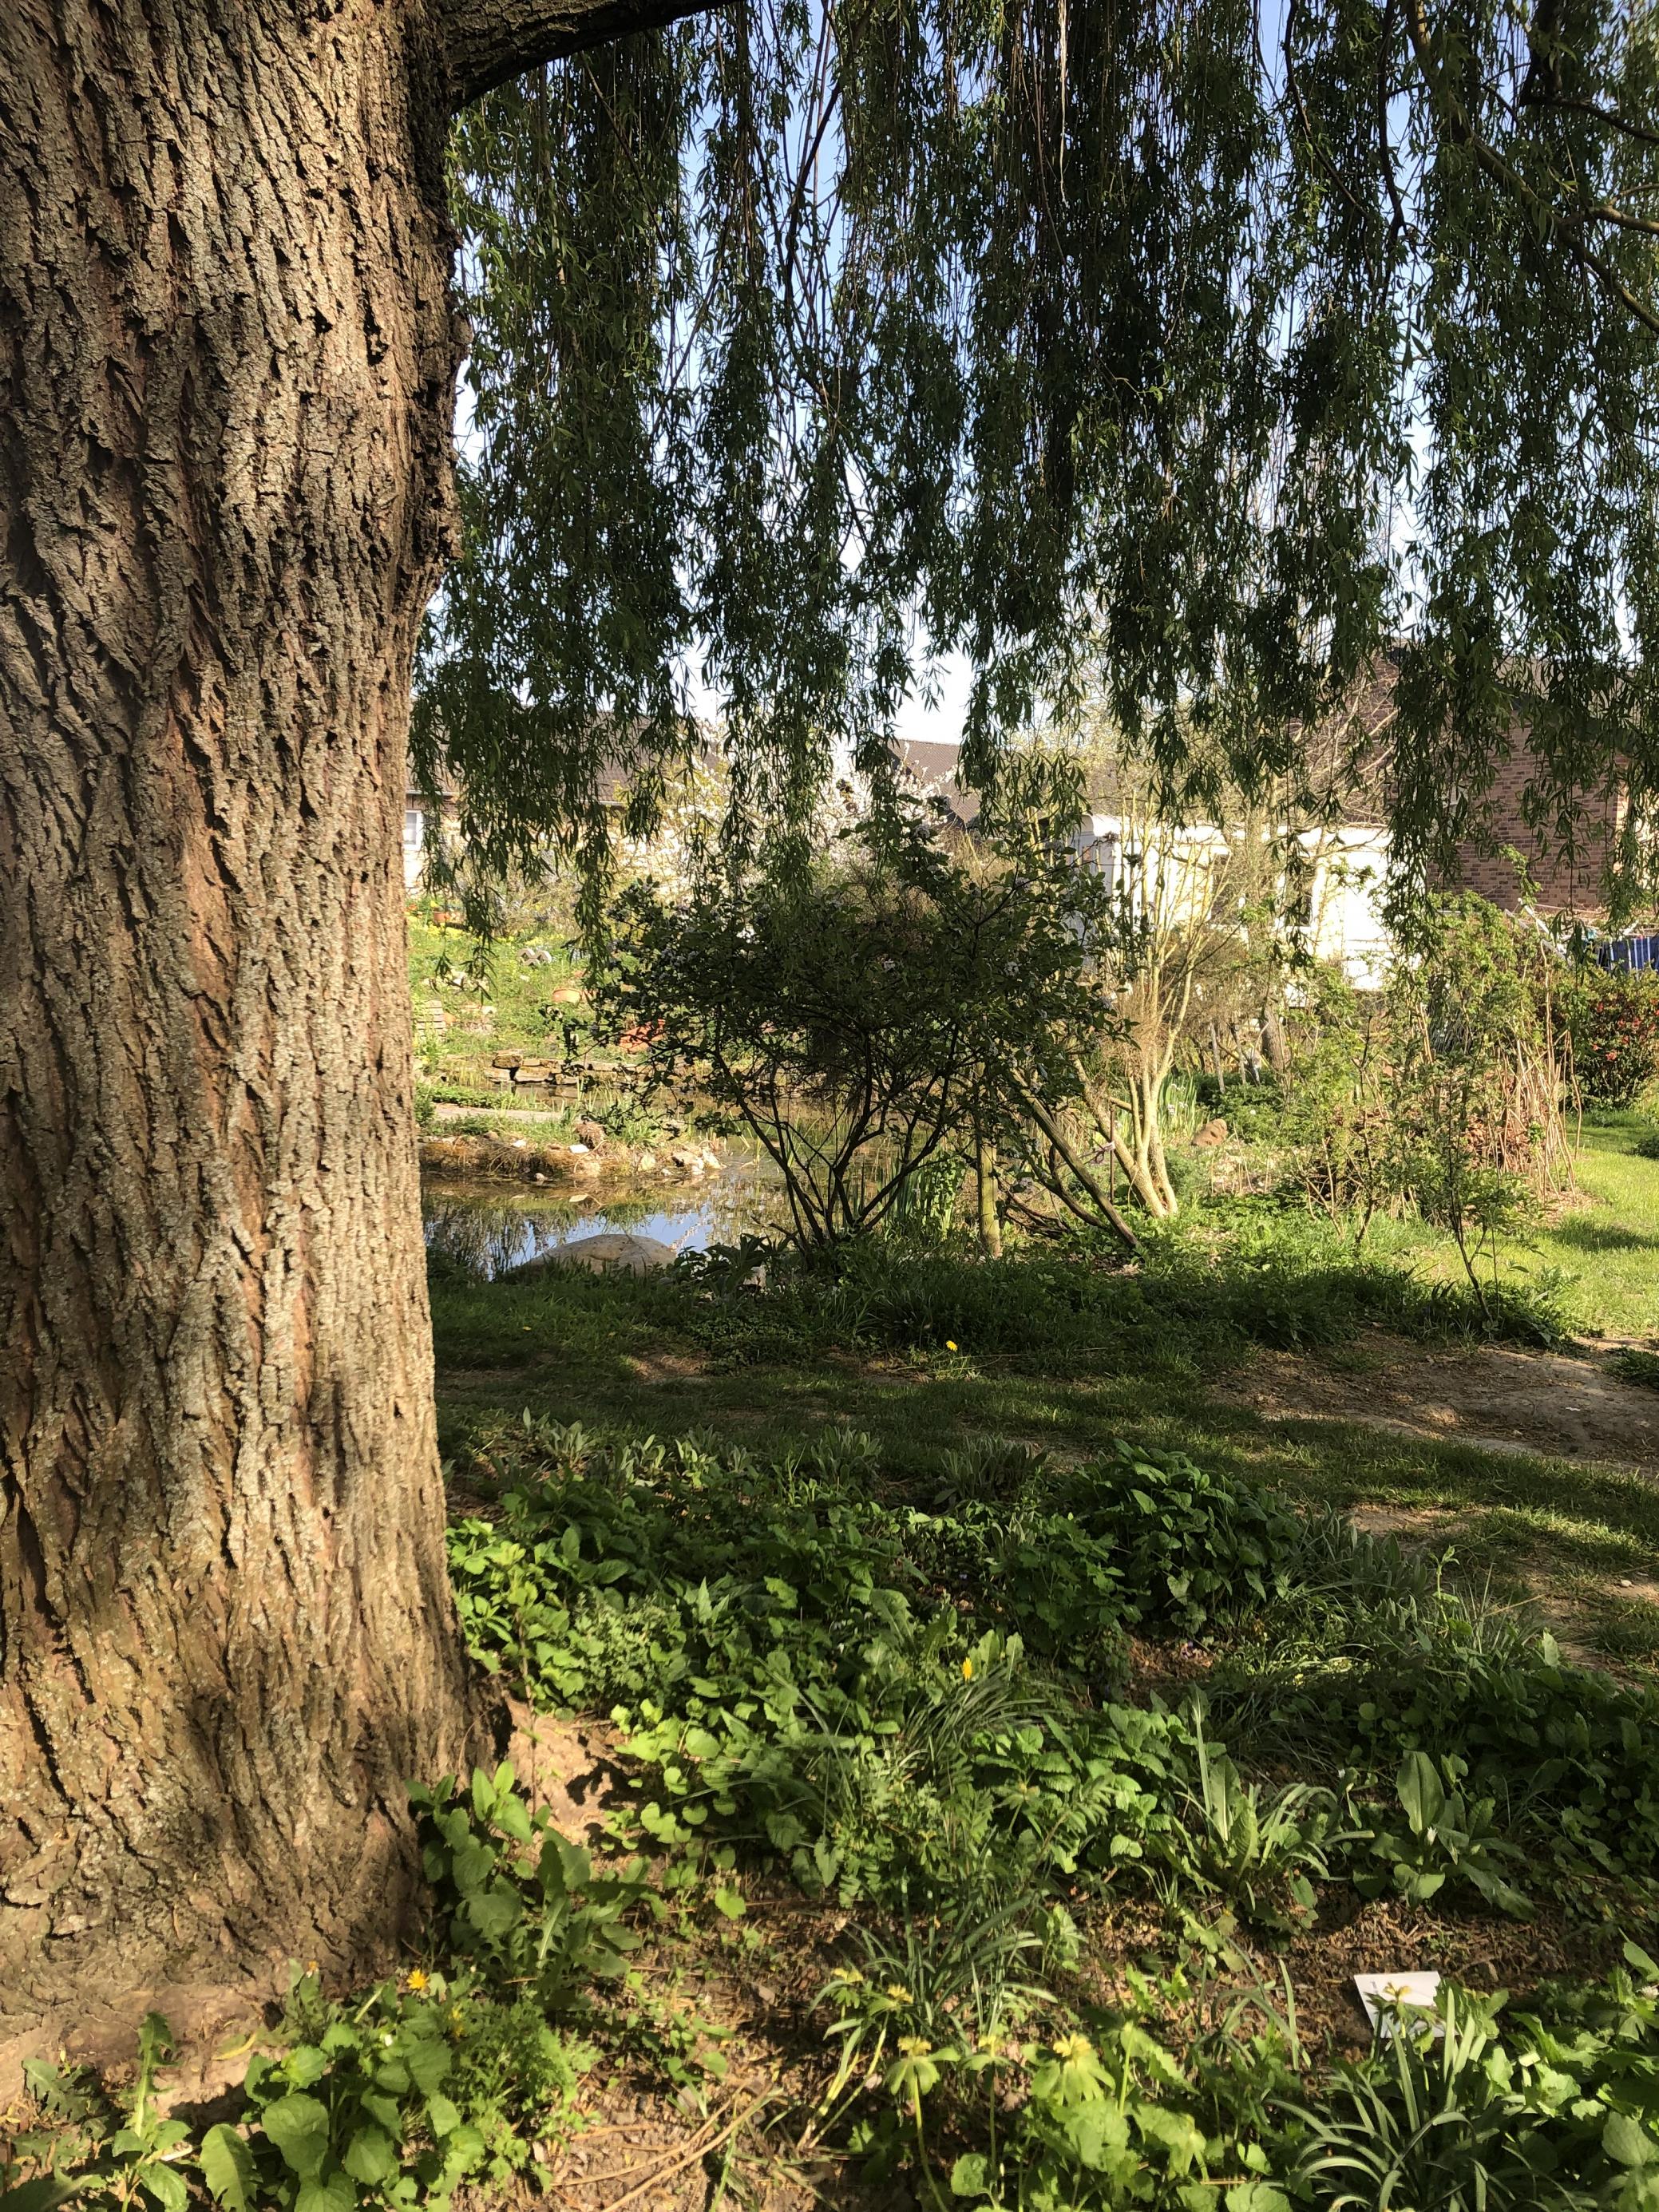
(1583,1235)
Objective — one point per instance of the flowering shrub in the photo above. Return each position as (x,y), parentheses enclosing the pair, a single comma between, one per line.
(1614,1018)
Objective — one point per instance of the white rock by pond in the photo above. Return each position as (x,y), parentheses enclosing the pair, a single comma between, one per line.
(614,1251)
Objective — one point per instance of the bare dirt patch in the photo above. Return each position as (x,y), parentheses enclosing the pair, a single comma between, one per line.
(1479,1952)
(570,1767)
(214,2023)
(667,1366)
(1496,1399)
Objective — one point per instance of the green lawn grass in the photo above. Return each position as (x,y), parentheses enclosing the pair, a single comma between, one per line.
(1611,1243)
(1601,1242)
(629,1357)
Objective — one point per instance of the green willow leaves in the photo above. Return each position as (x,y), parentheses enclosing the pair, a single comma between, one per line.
(1179,354)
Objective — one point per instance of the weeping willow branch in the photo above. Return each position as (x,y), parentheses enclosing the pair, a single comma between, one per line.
(1565,223)
(813,344)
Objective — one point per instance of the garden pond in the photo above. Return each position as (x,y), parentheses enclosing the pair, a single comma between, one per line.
(491,1227)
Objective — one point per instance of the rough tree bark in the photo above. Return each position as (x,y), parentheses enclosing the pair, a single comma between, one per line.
(228,356)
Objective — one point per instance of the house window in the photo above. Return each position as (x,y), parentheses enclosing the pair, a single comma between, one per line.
(413,822)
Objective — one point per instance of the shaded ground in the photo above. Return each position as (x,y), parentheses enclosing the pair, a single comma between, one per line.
(1496,1397)
(751,2137)
(1539,1471)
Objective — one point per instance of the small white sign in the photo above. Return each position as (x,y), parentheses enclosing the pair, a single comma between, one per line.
(1380,1993)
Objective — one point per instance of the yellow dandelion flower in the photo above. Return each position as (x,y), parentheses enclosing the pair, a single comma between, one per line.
(949,1344)
(967,1670)
(417,1980)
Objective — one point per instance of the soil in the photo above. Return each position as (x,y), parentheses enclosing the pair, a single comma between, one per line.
(1496,1399)
(1480,1951)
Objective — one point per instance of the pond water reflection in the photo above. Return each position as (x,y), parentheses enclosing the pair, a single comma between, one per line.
(488,1227)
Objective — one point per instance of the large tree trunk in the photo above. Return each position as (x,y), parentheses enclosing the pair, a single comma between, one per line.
(226,368)
(228,365)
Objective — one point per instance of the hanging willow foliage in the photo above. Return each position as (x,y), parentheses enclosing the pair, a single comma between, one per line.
(1164,352)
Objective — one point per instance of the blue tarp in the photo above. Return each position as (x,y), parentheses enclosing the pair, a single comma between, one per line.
(1629,952)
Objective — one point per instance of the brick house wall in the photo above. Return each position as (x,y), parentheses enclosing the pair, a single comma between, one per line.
(1576,887)
(1353,752)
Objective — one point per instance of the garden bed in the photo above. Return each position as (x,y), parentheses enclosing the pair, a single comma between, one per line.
(931,1770)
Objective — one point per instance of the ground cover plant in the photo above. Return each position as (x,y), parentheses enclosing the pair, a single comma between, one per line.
(1068,1743)
(912,1708)
(1066,1559)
